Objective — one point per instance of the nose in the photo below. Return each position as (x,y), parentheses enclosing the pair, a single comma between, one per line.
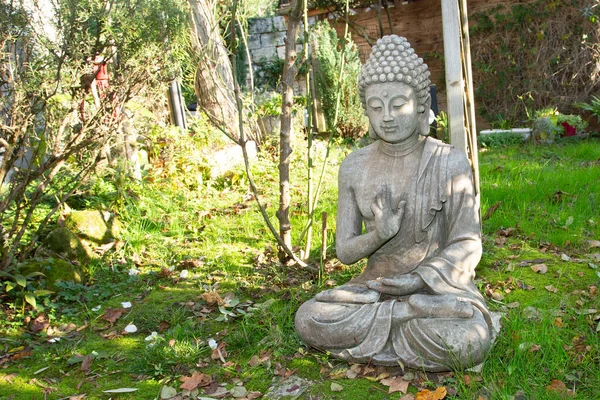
(387,117)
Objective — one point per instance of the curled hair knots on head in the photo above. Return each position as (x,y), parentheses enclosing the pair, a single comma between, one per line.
(393,60)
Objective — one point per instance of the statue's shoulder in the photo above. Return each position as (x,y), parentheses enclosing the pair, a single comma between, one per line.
(358,158)
(456,159)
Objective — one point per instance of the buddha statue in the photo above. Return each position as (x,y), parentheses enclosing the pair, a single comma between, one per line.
(406,202)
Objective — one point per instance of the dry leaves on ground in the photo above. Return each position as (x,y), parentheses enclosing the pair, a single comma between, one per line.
(396,384)
(195,381)
(111,315)
(540,268)
(39,324)
(559,387)
(426,394)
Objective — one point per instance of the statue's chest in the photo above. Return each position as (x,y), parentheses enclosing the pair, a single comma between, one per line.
(399,174)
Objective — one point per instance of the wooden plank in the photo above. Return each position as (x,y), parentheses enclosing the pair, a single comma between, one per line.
(470,98)
(454,75)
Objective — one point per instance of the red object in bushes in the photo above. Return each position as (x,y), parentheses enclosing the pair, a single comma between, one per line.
(569,130)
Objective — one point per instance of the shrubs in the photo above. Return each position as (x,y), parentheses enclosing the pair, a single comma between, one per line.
(532,55)
(351,121)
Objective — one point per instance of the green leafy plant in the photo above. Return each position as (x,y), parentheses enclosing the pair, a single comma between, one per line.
(593,106)
(573,120)
(547,112)
(501,123)
(328,51)
(545,130)
(442,130)
(22,287)
(500,139)
(271,106)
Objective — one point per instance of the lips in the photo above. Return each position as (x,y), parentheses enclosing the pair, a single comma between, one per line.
(389,128)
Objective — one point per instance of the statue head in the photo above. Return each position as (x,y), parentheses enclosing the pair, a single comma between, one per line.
(394,90)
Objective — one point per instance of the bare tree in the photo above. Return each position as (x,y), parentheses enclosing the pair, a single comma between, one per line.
(214,77)
(290,70)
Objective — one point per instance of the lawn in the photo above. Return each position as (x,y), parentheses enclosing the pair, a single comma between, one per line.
(192,296)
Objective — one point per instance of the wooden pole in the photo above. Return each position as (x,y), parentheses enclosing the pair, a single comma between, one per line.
(454,74)
(470,97)
(324,236)
(309,132)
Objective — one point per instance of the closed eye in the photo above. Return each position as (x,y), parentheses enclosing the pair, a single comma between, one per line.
(375,104)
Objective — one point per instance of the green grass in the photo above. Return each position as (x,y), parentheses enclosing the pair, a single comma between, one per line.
(216,233)
(549,192)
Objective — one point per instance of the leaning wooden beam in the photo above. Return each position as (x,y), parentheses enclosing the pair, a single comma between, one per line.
(454,75)
(470,97)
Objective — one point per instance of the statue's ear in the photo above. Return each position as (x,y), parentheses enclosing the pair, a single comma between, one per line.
(424,118)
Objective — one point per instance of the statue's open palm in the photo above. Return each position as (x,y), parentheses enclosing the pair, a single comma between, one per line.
(387,218)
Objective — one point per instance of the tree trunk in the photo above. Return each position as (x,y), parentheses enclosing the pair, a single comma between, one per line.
(214,77)
(285,149)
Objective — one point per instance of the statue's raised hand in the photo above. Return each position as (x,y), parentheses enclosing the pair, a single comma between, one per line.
(387,218)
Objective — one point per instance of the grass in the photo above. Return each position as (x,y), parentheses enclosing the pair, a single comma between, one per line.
(549,323)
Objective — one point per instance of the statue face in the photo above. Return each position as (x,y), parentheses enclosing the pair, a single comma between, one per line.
(392,110)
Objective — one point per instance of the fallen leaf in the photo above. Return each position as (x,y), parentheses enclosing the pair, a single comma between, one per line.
(254,395)
(524,286)
(78,397)
(395,384)
(591,243)
(121,390)
(195,381)
(212,298)
(495,295)
(534,348)
(167,392)
(540,268)
(558,322)
(336,387)
(113,314)
(238,392)
(219,352)
(506,232)
(254,361)
(500,241)
(8,378)
(86,363)
(551,288)
(490,211)
(425,394)
(559,387)
(110,335)
(409,396)
(525,263)
(350,374)
(514,304)
(40,323)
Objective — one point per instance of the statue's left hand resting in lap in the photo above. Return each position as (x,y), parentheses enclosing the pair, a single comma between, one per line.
(415,303)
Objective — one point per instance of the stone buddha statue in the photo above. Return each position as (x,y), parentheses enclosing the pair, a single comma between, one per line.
(406,202)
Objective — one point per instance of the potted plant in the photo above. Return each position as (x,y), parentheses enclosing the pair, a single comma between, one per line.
(572,124)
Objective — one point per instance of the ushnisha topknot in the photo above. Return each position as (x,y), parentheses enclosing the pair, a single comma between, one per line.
(393,60)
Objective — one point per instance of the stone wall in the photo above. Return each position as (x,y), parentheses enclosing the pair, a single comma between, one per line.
(266,42)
